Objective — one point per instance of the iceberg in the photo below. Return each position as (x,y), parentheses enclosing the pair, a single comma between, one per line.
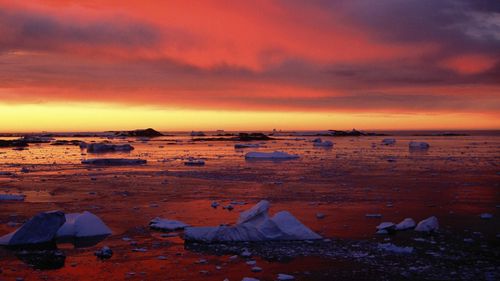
(41,228)
(254,225)
(81,225)
(276,155)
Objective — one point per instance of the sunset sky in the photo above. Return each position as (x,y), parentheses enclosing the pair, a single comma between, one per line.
(285,64)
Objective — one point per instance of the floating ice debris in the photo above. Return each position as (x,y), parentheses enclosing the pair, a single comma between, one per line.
(407,223)
(25,170)
(214,204)
(285,277)
(104,253)
(486,216)
(419,145)
(194,162)
(41,228)
(140,250)
(256,269)
(12,197)
(114,161)
(249,279)
(6,174)
(428,225)
(386,228)
(104,147)
(389,141)
(389,247)
(373,215)
(246,145)
(246,254)
(321,143)
(254,225)
(276,155)
(320,216)
(82,225)
(166,225)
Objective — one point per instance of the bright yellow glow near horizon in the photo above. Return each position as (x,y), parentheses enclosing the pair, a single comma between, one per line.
(81,117)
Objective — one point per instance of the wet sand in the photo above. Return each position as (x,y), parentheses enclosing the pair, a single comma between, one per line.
(456,180)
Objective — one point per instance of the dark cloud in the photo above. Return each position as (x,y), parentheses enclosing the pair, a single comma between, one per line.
(24,30)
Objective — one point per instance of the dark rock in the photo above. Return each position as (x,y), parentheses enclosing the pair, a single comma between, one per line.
(149,132)
(103,148)
(104,253)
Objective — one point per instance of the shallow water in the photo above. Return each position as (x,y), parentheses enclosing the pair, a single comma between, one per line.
(457,179)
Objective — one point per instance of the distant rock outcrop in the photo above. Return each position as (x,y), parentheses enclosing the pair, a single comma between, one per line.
(149,133)
(13,143)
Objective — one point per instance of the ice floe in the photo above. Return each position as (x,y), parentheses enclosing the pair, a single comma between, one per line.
(166,225)
(12,197)
(320,143)
(104,147)
(254,225)
(428,225)
(246,145)
(276,155)
(389,247)
(114,161)
(405,224)
(389,141)
(418,145)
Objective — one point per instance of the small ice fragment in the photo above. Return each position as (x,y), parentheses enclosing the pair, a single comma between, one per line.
(166,224)
(104,253)
(407,223)
(389,141)
(276,155)
(486,216)
(389,247)
(285,277)
(417,145)
(428,225)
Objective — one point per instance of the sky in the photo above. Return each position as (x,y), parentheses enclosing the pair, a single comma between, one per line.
(249,65)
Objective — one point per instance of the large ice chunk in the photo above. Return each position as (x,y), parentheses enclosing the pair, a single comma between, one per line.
(41,228)
(254,225)
(80,225)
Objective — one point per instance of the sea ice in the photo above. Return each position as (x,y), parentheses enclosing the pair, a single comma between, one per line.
(321,143)
(80,225)
(407,223)
(389,141)
(246,145)
(12,197)
(428,225)
(41,228)
(389,247)
(418,145)
(166,225)
(114,161)
(276,155)
(254,225)
(285,277)
(104,147)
